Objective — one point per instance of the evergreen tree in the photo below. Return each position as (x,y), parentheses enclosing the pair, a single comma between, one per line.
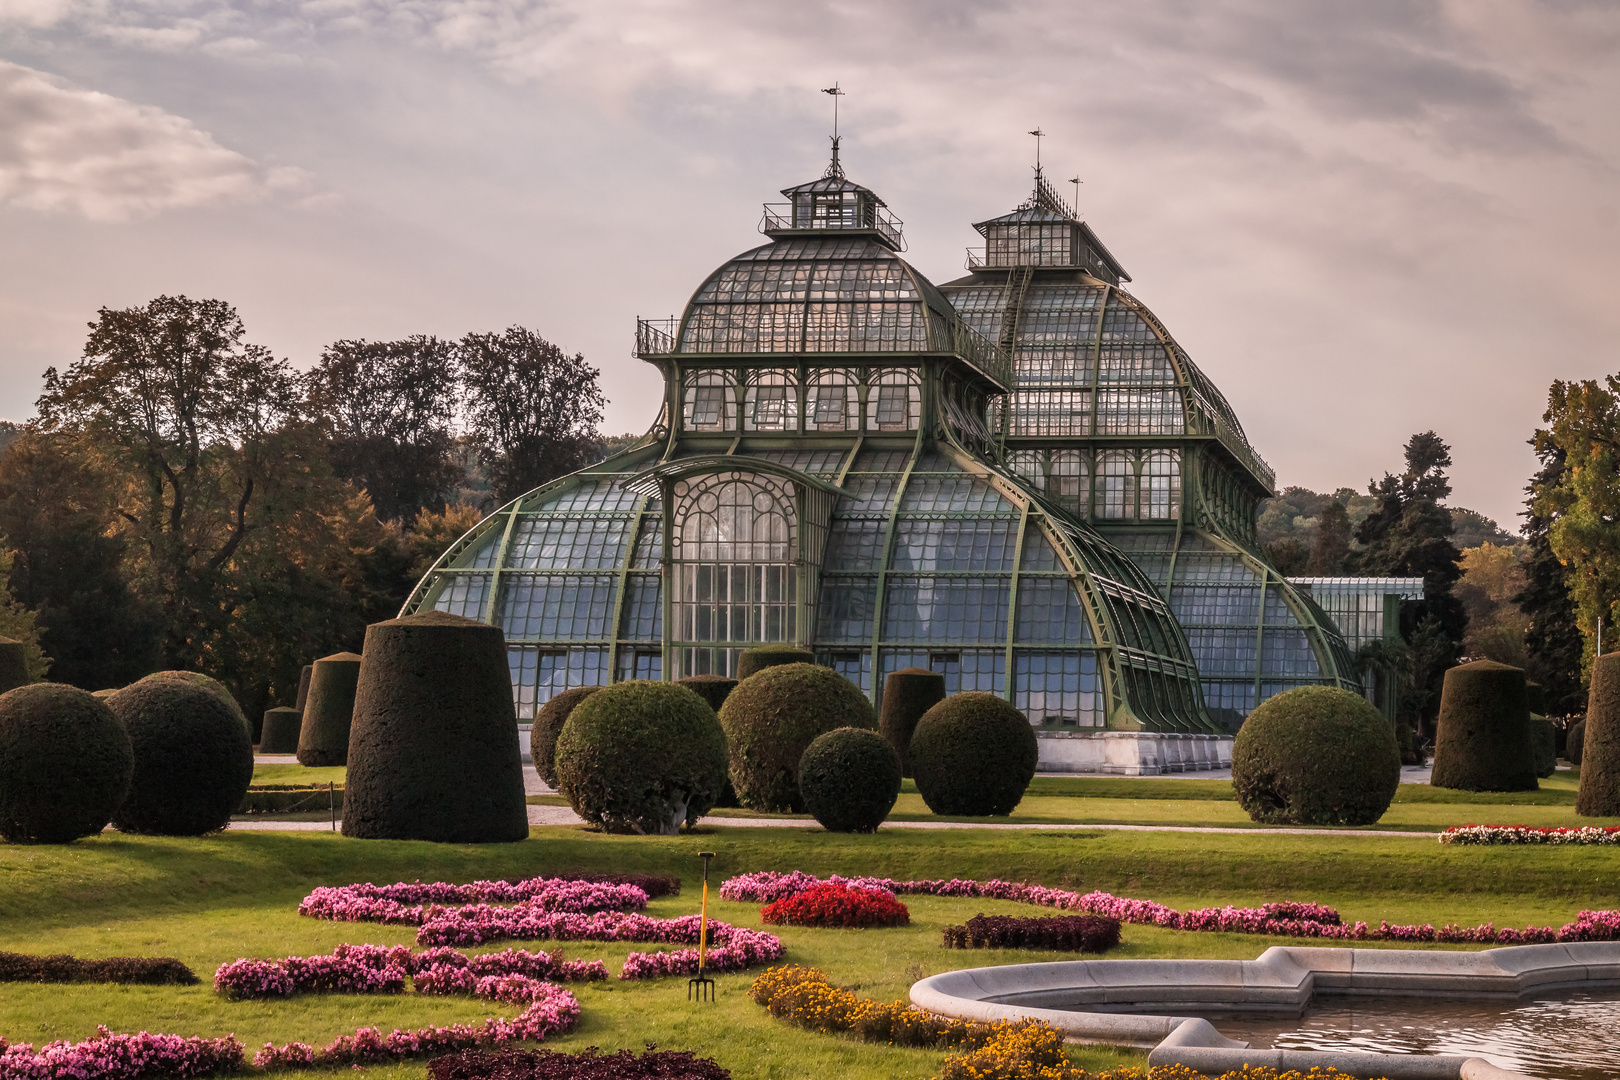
(1552,640)
(1332,544)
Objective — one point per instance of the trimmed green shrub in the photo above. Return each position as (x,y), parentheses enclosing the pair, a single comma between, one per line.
(13,664)
(1535,697)
(1599,794)
(193,760)
(548,724)
(1483,742)
(773,716)
(323,738)
(213,686)
(1575,742)
(714,689)
(753,661)
(1544,741)
(1315,755)
(642,757)
(434,751)
(973,755)
(303,687)
(907,694)
(849,779)
(65,764)
(279,732)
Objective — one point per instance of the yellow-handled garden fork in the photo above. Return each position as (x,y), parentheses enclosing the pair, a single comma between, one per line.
(702,986)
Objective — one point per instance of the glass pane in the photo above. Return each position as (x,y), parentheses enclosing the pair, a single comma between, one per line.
(539,674)
(463,594)
(954,544)
(946,609)
(560,607)
(643,610)
(855,544)
(1049,612)
(555,543)
(847,605)
(1057,687)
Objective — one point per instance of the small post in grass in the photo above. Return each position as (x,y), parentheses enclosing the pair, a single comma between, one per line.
(331,802)
(702,985)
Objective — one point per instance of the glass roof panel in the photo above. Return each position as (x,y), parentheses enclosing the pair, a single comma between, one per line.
(557,543)
(946,609)
(954,544)
(1049,613)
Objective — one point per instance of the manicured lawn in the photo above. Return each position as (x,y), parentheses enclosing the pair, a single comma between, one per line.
(298,774)
(211,900)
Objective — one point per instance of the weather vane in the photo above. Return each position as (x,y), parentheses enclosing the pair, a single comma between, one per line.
(834,169)
(1039,134)
(1076,181)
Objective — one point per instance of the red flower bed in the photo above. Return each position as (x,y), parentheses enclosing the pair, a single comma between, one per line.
(833,903)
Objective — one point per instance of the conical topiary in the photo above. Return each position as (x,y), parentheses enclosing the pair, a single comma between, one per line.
(760,657)
(323,737)
(303,688)
(1544,741)
(1599,794)
(907,694)
(434,751)
(279,733)
(548,724)
(1483,742)
(1574,741)
(13,664)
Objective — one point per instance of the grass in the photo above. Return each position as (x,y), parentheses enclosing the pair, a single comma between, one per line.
(298,774)
(211,900)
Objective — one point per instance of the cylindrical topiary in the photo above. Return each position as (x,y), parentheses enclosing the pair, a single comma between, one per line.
(1535,697)
(907,694)
(1599,794)
(642,757)
(714,689)
(433,751)
(1315,755)
(1483,742)
(210,684)
(773,716)
(303,687)
(65,764)
(323,738)
(850,779)
(279,733)
(548,724)
(13,664)
(1574,742)
(193,761)
(1544,741)
(752,661)
(973,754)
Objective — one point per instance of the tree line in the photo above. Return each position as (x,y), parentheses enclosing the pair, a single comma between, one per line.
(185,499)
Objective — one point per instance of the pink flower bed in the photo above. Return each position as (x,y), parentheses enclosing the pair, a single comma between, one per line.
(375,969)
(110,1056)
(1282,920)
(406,904)
(1528,834)
(737,949)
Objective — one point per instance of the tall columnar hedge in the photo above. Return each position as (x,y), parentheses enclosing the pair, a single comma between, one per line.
(642,757)
(1544,741)
(773,716)
(13,664)
(548,724)
(1599,794)
(433,751)
(752,661)
(279,732)
(973,754)
(850,779)
(193,760)
(1574,742)
(1483,742)
(1315,755)
(213,686)
(907,694)
(323,738)
(65,764)
(303,687)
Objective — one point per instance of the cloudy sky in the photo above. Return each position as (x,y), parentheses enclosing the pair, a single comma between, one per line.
(1362,219)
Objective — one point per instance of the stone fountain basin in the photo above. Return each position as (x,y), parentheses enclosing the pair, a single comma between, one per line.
(1146,1003)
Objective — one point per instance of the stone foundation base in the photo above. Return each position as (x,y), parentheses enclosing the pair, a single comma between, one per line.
(1132,753)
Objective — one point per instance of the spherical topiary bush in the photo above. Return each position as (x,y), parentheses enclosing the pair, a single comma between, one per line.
(329,710)
(13,664)
(772,718)
(849,779)
(907,694)
(1544,741)
(65,764)
(433,750)
(1483,742)
(642,757)
(212,685)
(1575,742)
(279,732)
(548,724)
(1599,794)
(752,661)
(193,760)
(973,754)
(1315,755)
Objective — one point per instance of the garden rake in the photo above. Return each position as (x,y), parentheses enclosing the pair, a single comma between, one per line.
(702,986)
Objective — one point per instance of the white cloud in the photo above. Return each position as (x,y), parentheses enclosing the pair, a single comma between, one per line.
(65,149)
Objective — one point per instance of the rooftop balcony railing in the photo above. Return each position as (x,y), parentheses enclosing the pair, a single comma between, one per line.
(1235,443)
(656,337)
(781,216)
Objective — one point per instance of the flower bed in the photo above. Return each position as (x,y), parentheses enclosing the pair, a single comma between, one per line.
(375,969)
(1280,919)
(587,1065)
(1063,933)
(1529,834)
(110,1056)
(833,903)
(409,904)
(60,968)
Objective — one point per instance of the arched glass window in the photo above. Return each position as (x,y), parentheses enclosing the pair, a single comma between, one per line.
(1070,482)
(1161,484)
(832,402)
(773,402)
(1116,484)
(711,402)
(735,579)
(894,401)
(1027,466)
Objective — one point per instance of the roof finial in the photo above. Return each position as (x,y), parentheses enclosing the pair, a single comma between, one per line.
(835,169)
(1039,134)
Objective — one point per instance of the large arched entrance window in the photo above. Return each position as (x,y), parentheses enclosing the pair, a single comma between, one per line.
(736,581)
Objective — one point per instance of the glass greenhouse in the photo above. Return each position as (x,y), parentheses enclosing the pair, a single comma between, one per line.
(1017,479)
